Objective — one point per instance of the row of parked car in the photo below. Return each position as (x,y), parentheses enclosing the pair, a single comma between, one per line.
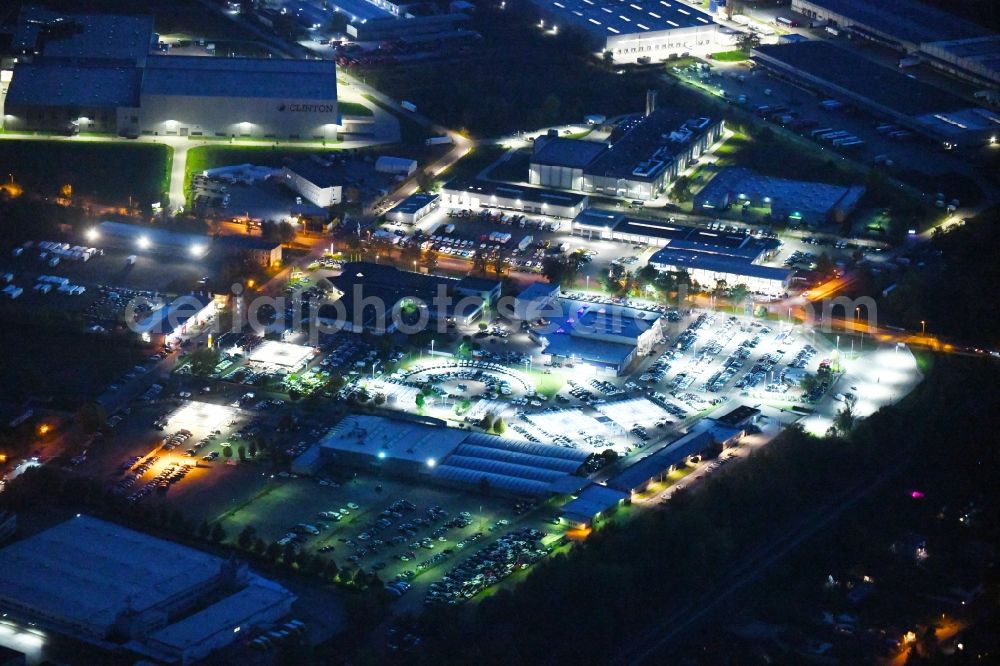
(511,552)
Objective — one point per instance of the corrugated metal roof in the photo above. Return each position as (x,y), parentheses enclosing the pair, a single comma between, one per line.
(516,457)
(527,447)
(511,484)
(505,468)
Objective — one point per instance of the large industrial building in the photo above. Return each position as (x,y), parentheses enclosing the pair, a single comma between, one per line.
(95,73)
(795,200)
(935,37)
(648,154)
(882,91)
(134,594)
(637,30)
(453,457)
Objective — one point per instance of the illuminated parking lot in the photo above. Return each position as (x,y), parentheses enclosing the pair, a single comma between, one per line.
(274,354)
(201,418)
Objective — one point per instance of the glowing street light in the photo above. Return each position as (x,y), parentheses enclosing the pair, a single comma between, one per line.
(923,327)
(92,234)
(197,250)
(144,243)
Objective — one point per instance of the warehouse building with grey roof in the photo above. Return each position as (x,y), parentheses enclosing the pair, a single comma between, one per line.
(133,594)
(428,450)
(100,73)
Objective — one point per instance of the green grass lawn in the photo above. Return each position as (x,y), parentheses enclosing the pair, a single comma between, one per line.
(109,172)
(475,161)
(547,385)
(514,169)
(185,17)
(354,109)
(729,56)
(211,156)
(773,155)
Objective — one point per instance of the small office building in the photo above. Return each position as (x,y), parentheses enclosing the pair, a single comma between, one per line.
(316,184)
(413,208)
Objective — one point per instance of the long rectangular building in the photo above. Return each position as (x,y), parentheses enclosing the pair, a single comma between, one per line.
(707,256)
(95,73)
(938,38)
(636,30)
(431,451)
(489,194)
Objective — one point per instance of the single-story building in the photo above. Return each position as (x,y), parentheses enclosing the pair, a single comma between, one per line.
(317,185)
(593,502)
(170,322)
(807,202)
(739,417)
(655,467)
(397,166)
(533,300)
(413,208)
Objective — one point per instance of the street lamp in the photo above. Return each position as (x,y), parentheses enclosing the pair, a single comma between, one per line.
(857,318)
(923,327)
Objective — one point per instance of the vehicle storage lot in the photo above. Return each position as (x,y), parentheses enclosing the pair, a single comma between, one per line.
(154,272)
(914,152)
(473,228)
(391,531)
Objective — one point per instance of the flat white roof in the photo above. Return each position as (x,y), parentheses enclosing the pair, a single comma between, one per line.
(393,439)
(225,615)
(614,17)
(281,354)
